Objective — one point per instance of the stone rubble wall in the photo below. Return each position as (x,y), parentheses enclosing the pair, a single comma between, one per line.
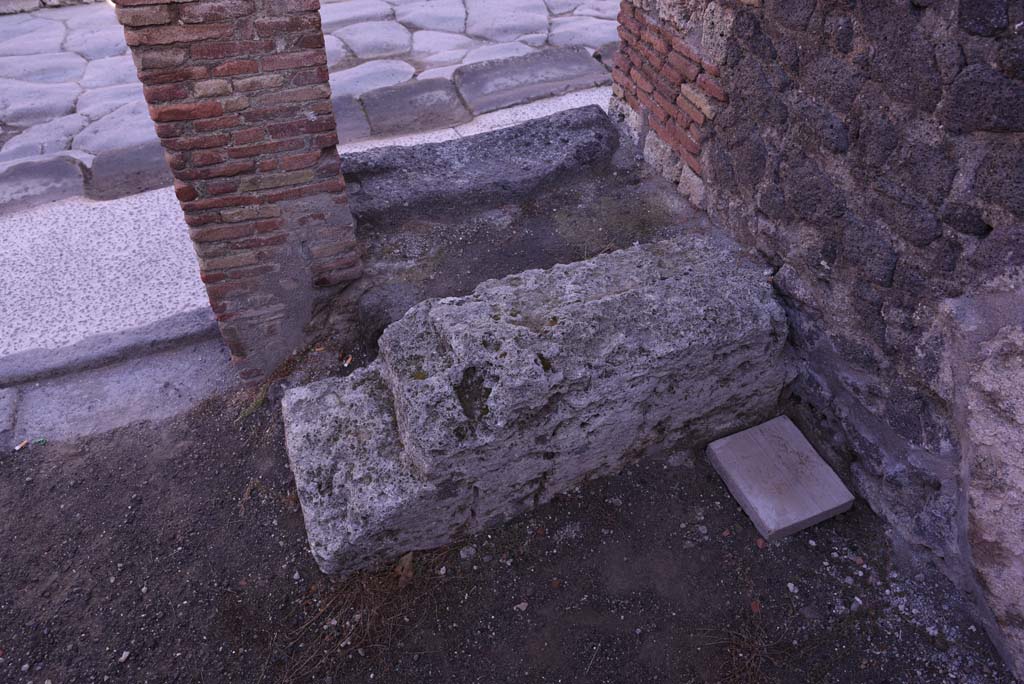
(240,98)
(481,407)
(873,153)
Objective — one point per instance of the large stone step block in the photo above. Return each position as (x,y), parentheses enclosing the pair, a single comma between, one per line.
(481,407)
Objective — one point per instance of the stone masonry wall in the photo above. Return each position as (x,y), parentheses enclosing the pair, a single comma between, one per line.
(239,95)
(872,151)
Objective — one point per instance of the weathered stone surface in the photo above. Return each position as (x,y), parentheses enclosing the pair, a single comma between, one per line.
(588,31)
(351,120)
(603,9)
(33,37)
(481,407)
(334,16)
(487,86)
(35,180)
(97,103)
(370,75)
(506,20)
(982,99)
(15,6)
(109,71)
(983,372)
(8,407)
(52,68)
(487,168)
(496,51)
(128,154)
(45,138)
(373,39)
(428,42)
(437,15)
(97,43)
(336,50)
(24,104)
(414,106)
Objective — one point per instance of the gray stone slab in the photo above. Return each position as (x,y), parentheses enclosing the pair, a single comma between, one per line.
(25,104)
(489,168)
(505,20)
(98,102)
(418,105)
(58,67)
(374,39)
(45,138)
(496,51)
(588,31)
(16,6)
(603,9)
(428,42)
(778,478)
(488,86)
(437,15)
(31,181)
(350,118)
(128,155)
(334,16)
(33,37)
(97,43)
(109,71)
(370,75)
(336,51)
(479,408)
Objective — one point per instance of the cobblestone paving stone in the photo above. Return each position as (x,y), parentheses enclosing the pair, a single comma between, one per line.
(67,80)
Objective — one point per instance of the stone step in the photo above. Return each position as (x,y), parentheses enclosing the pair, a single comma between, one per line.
(495,402)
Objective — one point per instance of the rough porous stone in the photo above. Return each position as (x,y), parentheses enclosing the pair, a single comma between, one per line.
(487,168)
(414,106)
(481,407)
(487,86)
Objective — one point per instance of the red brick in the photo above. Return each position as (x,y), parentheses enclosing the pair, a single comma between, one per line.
(712,87)
(303,94)
(217,124)
(293,60)
(688,68)
(236,67)
(301,161)
(267,148)
(158,76)
(168,35)
(149,15)
(165,93)
(186,112)
(202,12)
(268,27)
(244,85)
(196,142)
(184,192)
(231,168)
(641,82)
(691,111)
(221,232)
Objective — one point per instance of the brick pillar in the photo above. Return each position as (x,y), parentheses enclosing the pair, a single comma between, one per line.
(238,90)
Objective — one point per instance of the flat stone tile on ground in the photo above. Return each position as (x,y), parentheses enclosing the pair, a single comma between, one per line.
(431,42)
(488,86)
(778,478)
(335,15)
(437,59)
(350,119)
(109,71)
(24,104)
(370,75)
(372,39)
(562,6)
(438,72)
(587,31)
(505,20)
(414,106)
(58,67)
(128,155)
(45,138)
(30,181)
(15,6)
(437,15)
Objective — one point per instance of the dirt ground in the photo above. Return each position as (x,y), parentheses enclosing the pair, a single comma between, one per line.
(175,552)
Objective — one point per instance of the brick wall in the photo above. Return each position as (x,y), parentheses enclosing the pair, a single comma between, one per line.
(873,153)
(238,91)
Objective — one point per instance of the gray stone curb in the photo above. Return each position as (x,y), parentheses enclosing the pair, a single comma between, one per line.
(102,350)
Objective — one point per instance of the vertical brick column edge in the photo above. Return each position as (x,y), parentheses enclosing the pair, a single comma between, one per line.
(238,91)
